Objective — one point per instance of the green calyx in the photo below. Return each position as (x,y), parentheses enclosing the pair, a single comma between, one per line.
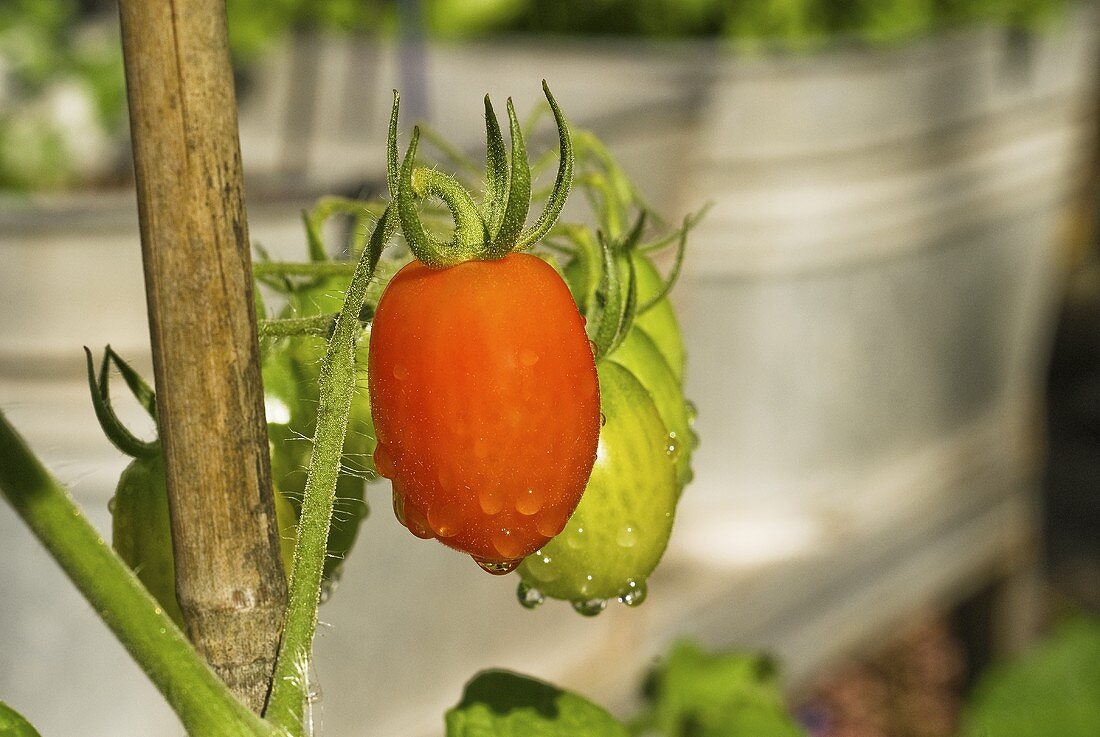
(499,225)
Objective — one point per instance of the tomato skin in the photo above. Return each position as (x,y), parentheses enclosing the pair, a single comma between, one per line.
(640,355)
(486,404)
(620,530)
(659,321)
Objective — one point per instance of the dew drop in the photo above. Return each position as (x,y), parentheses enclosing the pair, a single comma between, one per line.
(399,506)
(636,595)
(627,537)
(163,630)
(400,372)
(384,462)
(490,499)
(444,520)
(529,502)
(528,357)
(497,567)
(575,538)
(529,597)
(692,411)
(508,544)
(590,607)
(603,420)
(111,504)
(417,523)
(672,446)
(550,522)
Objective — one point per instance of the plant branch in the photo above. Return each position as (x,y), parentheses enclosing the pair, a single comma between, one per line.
(286,706)
(317,268)
(204,704)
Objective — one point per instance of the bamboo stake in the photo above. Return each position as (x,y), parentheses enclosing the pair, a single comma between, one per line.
(229,578)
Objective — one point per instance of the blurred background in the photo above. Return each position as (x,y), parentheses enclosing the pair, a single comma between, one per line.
(892,313)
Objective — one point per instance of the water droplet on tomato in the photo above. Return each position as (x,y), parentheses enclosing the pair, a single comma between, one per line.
(627,537)
(417,523)
(497,567)
(399,506)
(550,522)
(575,538)
(529,597)
(529,502)
(384,462)
(490,499)
(400,372)
(672,446)
(528,357)
(590,607)
(444,520)
(111,504)
(636,595)
(508,544)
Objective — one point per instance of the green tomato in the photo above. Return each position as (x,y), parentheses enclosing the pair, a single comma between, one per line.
(621,527)
(141,530)
(659,321)
(640,356)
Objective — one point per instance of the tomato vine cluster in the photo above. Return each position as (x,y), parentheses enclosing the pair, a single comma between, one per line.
(520,386)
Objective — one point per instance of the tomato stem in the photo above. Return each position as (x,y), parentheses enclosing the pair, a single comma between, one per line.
(286,705)
(203,702)
(498,226)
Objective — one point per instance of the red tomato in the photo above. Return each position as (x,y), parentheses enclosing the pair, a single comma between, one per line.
(486,404)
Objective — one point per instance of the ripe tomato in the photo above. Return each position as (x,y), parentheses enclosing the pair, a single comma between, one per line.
(486,404)
(621,528)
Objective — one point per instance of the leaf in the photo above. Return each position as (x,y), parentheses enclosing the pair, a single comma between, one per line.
(722,695)
(14,725)
(498,703)
(1054,690)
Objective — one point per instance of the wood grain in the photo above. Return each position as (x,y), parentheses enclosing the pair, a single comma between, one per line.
(195,248)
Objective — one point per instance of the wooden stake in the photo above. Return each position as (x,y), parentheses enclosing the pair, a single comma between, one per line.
(194,238)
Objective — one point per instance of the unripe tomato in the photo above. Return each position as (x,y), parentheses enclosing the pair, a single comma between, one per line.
(640,355)
(141,530)
(659,321)
(621,528)
(486,404)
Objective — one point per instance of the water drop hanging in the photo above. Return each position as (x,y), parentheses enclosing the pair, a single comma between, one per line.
(590,607)
(529,597)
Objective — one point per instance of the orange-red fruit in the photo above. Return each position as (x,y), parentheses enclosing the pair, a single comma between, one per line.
(486,404)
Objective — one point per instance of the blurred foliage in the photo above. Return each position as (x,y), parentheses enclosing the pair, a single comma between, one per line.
(62,93)
(696,694)
(797,25)
(1053,690)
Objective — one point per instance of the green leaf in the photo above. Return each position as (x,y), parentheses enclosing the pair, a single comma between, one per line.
(1054,690)
(721,695)
(499,703)
(14,725)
